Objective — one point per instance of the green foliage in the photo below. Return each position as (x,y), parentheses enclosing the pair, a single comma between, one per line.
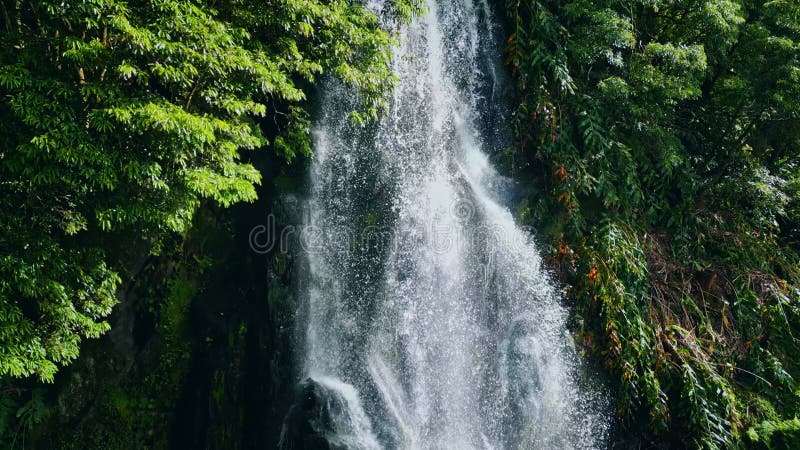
(21,411)
(34,411)
(665,137)
(775,435)
(118,119)
(101,403)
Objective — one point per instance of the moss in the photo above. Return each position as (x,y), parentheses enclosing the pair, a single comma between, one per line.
(137,412)
(125,398)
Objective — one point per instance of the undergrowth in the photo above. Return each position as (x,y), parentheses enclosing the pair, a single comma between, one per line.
(659,143)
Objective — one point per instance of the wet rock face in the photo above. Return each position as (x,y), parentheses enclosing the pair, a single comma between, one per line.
(327,415)
(309,421)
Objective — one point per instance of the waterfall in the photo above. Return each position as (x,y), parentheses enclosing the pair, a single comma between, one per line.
(429,320)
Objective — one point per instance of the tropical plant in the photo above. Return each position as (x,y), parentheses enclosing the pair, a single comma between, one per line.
(665,138)
(119,119)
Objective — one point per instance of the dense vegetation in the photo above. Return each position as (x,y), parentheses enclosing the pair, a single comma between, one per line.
(661,141)
(119,119)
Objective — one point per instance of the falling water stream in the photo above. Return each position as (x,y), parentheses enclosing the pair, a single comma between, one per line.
(429,321)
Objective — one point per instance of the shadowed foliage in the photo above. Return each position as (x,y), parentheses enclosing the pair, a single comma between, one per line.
(661,142)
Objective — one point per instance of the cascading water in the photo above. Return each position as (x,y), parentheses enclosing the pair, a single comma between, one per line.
(429,320)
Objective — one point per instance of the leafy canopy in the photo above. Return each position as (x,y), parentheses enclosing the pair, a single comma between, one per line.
(119,118)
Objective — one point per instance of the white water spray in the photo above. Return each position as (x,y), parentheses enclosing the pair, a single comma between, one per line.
(427,308)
